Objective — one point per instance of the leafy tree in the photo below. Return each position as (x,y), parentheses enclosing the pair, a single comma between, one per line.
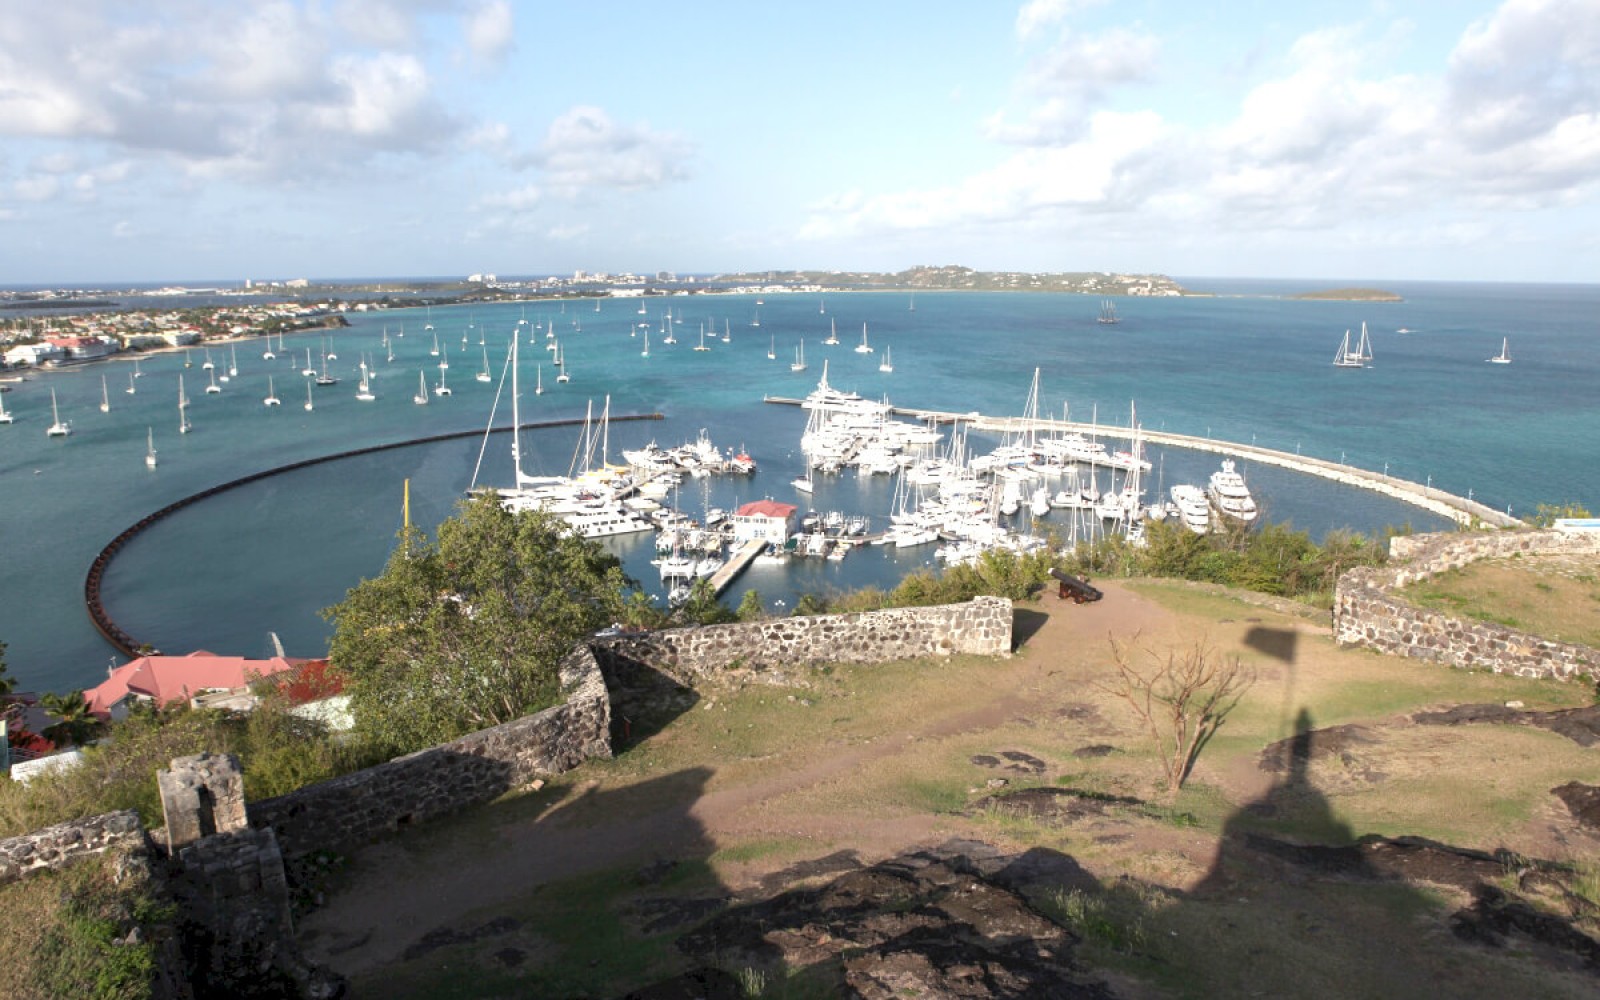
(1547,514)
(469,631)
(750,607)
(703,608)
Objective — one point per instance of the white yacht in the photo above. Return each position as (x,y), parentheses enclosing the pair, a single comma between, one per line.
(1193,507)
(1230,494)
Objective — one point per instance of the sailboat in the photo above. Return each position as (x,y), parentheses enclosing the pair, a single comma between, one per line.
(267,354)
(272,395)
(863,348)
(434,351)
(727,332)
(1356,357)
(538,380)
(105,396)
(421,398)
(188,361)
(136,372)
(5,418)
(150,448)
(130,390)
(561,363)
(799,364)
(484,376)
(772,346)
(646,352)
(327,377)
(913,306)
(886,365)
(213,388)
(57,428)
(233,361)
(441,389)
(833,333)
(1108,312)
(702,345)
(1504,357)
(364,390)
(308,371)
(209,365)
(309,405)
(183,409)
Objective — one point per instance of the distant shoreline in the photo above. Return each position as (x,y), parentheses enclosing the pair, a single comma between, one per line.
(1349,295)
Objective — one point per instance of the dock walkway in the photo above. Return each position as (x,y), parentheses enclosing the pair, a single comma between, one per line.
(742,557)
(1437,501)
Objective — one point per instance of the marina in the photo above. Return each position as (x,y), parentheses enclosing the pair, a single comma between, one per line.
(1433,425)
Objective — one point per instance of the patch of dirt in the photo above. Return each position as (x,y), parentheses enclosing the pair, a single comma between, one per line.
(1580,725)
(939,922)
(1094,750)
(1583,801)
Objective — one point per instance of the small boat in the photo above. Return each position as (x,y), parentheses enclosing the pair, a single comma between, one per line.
(421,398)
(484,375)
(309,405)
(233,361)
(863,347)
(130,390)
(136,372)
(772,346)
(188,362)
(441,389)
(1357,356)
(272,395)
(799,364)
(886,365)
(267,354)
(209,365)
(105,396)
(1504,357)
(150,448)
(833,333)
(308,371)
(1108,312)
(213,388)
(58,427)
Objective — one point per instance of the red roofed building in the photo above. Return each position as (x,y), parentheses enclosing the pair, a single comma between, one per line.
(767,520)
(168,679)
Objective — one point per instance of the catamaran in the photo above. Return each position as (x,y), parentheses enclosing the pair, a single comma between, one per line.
(1108,312)
(1356,357)
(1504,357)
(441,389)
(863,348)
(272,395)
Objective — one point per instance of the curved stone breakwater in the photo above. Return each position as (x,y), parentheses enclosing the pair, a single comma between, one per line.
(1457,508)
(127,644)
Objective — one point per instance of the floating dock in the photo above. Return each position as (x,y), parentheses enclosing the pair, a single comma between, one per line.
(1437,501)
(742,557)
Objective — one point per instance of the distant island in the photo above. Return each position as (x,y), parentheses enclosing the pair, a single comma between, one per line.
(1351,295)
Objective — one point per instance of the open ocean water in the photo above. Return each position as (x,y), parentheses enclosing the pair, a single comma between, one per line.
(1246,365)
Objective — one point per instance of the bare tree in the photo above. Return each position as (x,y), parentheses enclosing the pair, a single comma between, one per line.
(1181,695)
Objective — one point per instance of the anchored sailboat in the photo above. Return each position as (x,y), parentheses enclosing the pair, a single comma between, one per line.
(863,347)
(421,398)
(272,395)
(799,364)
(150,448)
(1357,356)
(57,428)
(886,365)
(1504,357)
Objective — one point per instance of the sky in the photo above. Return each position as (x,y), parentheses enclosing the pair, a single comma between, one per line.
(170,140)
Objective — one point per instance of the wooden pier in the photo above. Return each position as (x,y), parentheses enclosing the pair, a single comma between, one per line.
(742,557)
(1457,508)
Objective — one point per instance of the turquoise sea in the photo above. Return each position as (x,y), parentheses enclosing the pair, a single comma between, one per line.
(1245,365)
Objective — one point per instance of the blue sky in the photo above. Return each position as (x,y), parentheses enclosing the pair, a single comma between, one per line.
(190,139)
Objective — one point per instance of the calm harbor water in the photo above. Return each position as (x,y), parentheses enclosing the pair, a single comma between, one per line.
(1245,365)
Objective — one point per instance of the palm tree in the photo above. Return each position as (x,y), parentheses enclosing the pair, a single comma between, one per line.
(75,725)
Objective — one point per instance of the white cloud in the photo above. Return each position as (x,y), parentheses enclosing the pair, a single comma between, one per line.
(490,29)
(1037,15)
(583,149)
(36,187)
(1071,80)
(522,199)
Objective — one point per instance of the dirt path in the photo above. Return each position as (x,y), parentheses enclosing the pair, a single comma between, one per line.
(399,889)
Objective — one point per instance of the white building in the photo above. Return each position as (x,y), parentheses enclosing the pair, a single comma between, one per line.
(767,520)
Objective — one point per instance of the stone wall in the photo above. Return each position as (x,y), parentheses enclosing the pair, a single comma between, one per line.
(1368,610)
(355,808)
(759,650)
(60,845)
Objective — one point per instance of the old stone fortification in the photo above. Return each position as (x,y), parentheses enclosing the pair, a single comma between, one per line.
(1368,611)
(60,845)
(758,650)
(361,806)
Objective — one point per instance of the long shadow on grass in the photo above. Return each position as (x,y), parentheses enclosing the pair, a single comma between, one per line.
(1025,624)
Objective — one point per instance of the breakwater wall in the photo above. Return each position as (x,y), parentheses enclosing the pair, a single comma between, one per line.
(759,650)
(1462,510)
(1369,611)
(127,644)
(364,805)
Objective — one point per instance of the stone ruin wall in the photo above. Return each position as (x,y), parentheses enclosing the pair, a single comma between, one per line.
(60,845)
(478,767)
(1368,610)
(758,650)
